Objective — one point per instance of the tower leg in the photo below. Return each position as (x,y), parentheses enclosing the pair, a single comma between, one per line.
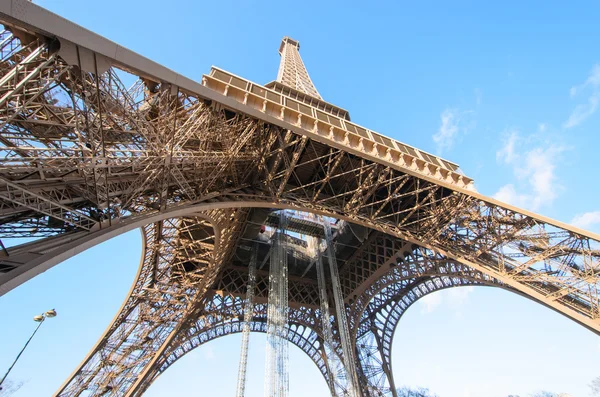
(248,313)
(277,380)
(329,347)
(341,315)
(181,258)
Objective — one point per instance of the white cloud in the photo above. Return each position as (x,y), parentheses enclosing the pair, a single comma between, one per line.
(459,295)
(430,302)
(446,135)
(586,220)
(585,110)
(478,96)
(454,123)
(453,297)
(539,169)
(573,91)
(582,111)
(534,167)
(593,81)
(209,352)
(506,154)
(508,194)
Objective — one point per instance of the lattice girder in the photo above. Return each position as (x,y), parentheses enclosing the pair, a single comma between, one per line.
(222,315)
(381,307)
(175,273)
(303,292)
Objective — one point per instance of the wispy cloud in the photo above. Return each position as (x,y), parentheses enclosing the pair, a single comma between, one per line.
(455,298)
(430,302)
(459,295)
(593,81)
(478,96)
(453,124)
(506,154)
(508,194)
(586,220)
(448,131)
(584,110)
(534,168)
(209,352)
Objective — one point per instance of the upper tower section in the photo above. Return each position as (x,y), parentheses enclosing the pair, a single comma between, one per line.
(293,80)
(292,71)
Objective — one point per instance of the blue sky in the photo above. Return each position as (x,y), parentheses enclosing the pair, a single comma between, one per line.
(508,91)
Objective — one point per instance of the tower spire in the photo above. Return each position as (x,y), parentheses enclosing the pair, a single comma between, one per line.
(292,71)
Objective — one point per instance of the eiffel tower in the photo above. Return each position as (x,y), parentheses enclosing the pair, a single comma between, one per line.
(263,208)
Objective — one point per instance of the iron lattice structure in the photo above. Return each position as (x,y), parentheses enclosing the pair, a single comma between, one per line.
(201,166)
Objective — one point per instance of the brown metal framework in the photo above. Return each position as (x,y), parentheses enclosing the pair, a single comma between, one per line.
(85,158)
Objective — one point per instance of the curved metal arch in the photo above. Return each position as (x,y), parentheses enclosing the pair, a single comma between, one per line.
(375,343)
(413,267)
(379,308)
(223,315)
(390,298)
(158,297)
(309,344)
(537,285)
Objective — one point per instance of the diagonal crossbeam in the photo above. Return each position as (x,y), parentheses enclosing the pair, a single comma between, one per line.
(20,196)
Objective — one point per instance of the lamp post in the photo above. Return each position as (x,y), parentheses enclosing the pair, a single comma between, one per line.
(38,319)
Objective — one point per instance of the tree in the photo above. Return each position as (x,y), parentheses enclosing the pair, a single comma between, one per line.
(9,388)
(418,392)
(595,386)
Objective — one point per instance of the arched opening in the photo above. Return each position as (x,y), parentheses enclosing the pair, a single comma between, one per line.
(86,291)
(472,341)
(211,370)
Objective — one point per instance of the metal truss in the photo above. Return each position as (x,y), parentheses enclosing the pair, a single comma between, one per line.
(222,316)
(380,308)
(276,376)
(82,155)
(248,314)
(333,364)
(181,260)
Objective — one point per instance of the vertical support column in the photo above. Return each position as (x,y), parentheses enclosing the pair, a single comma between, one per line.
(277,380)
(344,333)
(331,357)
(384,362)
(248,314)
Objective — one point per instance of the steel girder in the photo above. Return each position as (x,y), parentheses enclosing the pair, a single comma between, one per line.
(380,308)
(181,259)
(223,315)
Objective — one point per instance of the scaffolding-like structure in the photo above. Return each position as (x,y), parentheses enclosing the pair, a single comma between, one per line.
(333,362)
(248,314)
(276,377)
(348,356)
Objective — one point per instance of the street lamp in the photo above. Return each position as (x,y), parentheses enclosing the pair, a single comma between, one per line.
(38,319)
